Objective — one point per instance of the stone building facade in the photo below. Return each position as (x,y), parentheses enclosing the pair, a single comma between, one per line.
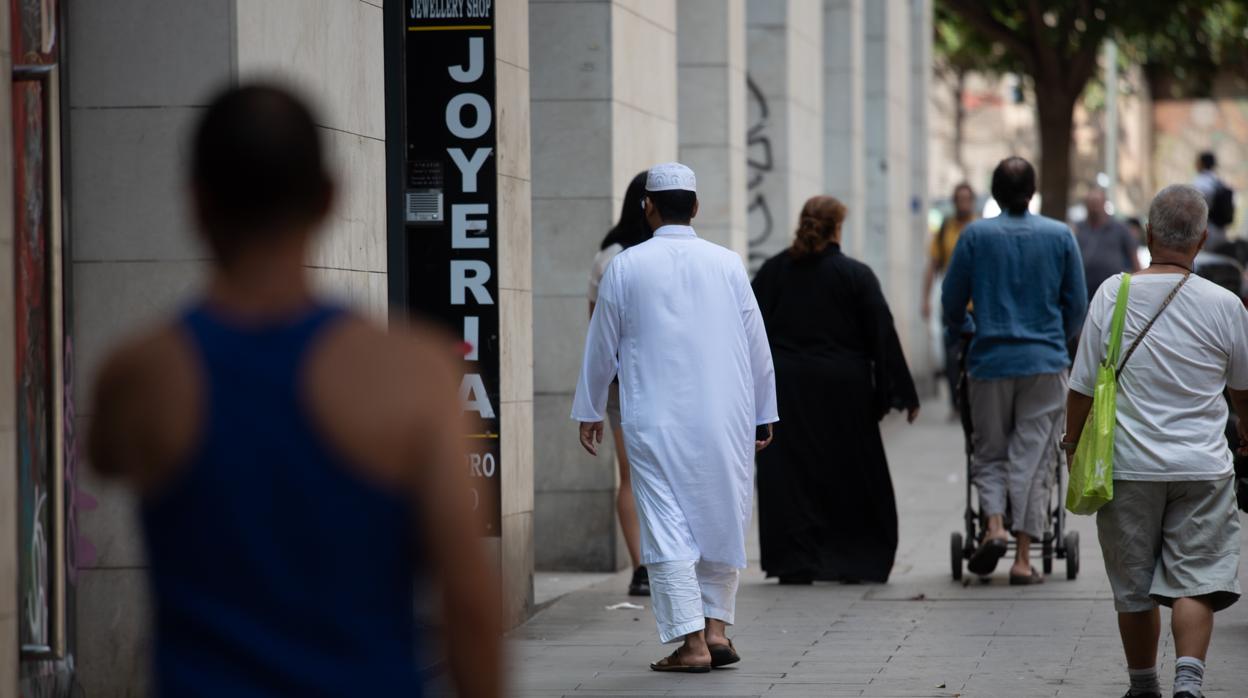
(772,101)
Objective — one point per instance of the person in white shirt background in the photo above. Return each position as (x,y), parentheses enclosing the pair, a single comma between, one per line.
(632,229)
(677,320)
(1170,535)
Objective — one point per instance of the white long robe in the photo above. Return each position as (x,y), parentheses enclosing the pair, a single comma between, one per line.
(677,320)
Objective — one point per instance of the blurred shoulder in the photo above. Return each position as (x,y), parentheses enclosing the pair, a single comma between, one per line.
(382,393)
(405,353)
(1052,226)
(979,226)
(155,358)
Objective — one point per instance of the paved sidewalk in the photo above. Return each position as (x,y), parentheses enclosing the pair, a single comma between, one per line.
(919,635)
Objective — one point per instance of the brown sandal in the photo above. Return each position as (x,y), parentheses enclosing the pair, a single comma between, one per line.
(723,655)
(1027,579)
(672,663)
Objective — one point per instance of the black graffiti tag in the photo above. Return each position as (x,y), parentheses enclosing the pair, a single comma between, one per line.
(759,163)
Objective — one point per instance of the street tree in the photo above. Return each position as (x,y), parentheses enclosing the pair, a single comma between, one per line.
(1056,44)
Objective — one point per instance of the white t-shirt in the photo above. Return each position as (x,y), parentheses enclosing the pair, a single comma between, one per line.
(601,260)
(1171,410)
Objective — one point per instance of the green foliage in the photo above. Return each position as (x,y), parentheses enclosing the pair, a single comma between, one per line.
(1182,42)
(958,48)
(1184,54)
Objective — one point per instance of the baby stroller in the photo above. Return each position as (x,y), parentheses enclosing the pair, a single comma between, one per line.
(1057,541)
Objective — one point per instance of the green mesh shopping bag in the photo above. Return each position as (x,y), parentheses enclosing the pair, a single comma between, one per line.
(1091,482)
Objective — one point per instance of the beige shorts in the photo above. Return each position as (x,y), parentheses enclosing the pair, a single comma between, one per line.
(1170,540)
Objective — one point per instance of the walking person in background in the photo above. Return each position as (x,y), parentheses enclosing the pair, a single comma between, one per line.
(632,229)
(1024,275)
(825,500)
(1106,245)
(1218,197)
(677,322)
(1170,535)
(291,457)
(940,252)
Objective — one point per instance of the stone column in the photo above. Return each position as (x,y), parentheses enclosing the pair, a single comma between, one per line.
(844,124)
(888,219)
(603,109)
(711,54)
(785,146)
(919,351)
(131,107)
(515,284)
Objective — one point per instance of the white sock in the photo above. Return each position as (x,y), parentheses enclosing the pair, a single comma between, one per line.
(1144,682)
(1189,675)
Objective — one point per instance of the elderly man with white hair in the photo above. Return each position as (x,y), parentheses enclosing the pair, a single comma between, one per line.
(677,320)
(1170,535)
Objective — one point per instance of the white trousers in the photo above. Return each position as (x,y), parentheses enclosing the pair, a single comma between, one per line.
(684,593)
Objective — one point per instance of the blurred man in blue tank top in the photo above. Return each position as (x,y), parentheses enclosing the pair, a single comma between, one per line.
(291,457)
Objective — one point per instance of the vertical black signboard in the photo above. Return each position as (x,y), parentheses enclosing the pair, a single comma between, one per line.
(444,201)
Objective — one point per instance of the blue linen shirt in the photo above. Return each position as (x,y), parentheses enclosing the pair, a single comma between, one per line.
(1024,276)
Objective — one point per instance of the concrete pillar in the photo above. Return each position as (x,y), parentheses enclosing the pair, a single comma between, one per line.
(326,49)
(887,244)
(603,109)
(132,105)
(918,350)
(785,119)
(711,55)
(844,123)
(515,284)
(9,645)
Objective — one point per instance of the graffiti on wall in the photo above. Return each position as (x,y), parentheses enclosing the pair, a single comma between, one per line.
(80,553)
(33,366)
(760,163)
(43,458)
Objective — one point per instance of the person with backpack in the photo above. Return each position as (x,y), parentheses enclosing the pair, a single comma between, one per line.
(939,254)
(1221,198)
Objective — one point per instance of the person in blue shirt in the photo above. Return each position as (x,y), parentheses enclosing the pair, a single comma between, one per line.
(1024,276)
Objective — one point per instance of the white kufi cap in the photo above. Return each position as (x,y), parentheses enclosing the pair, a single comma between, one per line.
(671,176)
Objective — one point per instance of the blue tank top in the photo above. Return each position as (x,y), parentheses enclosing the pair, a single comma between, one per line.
(277,571)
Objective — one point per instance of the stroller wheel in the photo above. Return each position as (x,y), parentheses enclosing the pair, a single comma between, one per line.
(955,554)
(1046,554)
(1072,555)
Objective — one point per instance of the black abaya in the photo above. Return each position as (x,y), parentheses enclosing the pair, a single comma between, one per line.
(825,499)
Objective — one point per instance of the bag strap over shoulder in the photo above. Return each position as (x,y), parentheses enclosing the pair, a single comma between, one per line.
(1119,319)
(1144,332)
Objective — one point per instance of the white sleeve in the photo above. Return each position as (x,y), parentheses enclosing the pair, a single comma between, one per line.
(601,361)
(1092,341)
(765,408)
(1237,331)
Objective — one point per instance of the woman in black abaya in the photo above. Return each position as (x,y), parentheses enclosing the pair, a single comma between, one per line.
(825,499)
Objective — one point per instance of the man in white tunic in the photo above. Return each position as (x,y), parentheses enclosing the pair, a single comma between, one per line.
(677,320)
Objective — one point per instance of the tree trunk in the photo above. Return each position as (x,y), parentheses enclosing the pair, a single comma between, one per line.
(1057,115)
(959,121)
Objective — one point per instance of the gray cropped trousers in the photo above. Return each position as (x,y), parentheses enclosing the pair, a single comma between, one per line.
(1016,426)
